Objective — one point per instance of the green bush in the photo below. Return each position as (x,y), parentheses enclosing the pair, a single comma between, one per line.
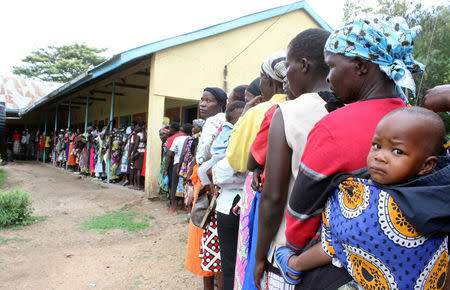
(15,208)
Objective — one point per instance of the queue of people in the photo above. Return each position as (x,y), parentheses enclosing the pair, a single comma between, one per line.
(319,174)
(98,153)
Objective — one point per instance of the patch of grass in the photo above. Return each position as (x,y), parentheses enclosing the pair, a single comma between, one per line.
(5,240)
(32,219)
(129,221)
(15,208)
(2,177)
(124,208)
(39,218)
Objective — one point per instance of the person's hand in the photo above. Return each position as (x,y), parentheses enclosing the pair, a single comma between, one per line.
(258,272)
(209,174)
(256,180)
(437,99)
(255,101)
(205,189)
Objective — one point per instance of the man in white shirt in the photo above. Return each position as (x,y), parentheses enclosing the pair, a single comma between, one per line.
(175,152)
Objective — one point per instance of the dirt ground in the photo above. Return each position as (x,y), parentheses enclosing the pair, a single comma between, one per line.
(57,254)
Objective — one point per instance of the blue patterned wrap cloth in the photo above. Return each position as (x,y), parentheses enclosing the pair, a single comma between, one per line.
(383,40)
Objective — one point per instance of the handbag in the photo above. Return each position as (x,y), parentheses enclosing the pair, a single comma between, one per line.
(203,208)
(188,193)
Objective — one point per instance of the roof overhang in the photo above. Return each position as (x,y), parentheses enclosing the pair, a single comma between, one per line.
(119,60)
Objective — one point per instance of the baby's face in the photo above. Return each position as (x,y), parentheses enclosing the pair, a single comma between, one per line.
(398,150)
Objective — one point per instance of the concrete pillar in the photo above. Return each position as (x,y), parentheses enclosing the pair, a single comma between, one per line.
(154,123)
(55,134)
(87,112)
(111,118)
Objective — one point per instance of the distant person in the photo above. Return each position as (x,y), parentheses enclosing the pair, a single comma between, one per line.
(16,137)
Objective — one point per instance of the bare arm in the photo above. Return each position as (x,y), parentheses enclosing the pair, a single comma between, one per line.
(310,259)
(275,192)
(257,169)
(169,159)
(252,164)
(255,101)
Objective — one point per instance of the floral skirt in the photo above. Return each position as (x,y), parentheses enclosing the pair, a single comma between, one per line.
(180,188)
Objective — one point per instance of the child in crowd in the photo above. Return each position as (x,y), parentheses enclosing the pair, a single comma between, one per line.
(390,231)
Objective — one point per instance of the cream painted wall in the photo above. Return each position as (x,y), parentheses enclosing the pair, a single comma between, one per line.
(183,71)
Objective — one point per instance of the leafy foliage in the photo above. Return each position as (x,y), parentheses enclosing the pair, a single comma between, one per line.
(15,208)
(60,63)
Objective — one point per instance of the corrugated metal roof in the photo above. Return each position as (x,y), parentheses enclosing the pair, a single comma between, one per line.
(120,59)
(19,92)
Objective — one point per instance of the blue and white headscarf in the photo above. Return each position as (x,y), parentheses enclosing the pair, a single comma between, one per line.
(386,41)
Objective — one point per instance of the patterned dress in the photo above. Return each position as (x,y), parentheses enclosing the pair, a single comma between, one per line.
(116,154)
(163,188)
(365,231)
(210,250)
(243,238)
(124,168)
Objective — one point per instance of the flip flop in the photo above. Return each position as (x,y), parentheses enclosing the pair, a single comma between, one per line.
(282,256)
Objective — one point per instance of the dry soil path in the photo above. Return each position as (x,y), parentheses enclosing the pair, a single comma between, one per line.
(56,254)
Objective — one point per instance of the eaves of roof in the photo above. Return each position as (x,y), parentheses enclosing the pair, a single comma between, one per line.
(120,59)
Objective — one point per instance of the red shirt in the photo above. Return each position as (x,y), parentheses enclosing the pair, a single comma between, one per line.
(259,146)
(16,137)
(171,138)
(338,143)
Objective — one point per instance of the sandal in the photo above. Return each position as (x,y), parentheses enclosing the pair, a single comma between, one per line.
(282,256)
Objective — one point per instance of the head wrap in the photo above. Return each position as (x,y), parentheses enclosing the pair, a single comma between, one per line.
(274,66)
(255,87)
(219,94)
(129,130)
(164,130)
(198,122)
(239,91)
(386,41)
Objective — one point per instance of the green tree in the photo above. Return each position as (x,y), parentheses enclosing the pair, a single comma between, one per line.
(60,63)
(431,47)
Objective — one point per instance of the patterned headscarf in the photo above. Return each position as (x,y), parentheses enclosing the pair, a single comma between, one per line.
(274,66)
(386,41)
(198,122)
(164,130)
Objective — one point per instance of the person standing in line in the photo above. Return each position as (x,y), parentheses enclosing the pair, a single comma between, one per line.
(174,154)
(207,265)
(370,60)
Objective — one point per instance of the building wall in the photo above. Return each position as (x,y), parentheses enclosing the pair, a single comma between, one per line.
(182,72)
